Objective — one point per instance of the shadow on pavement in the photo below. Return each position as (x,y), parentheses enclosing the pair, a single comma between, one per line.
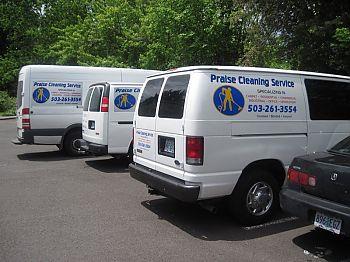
(109,165)
(321,244)
(202,224)
(48,156)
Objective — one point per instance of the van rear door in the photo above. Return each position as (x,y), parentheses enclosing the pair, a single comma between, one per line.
(122,100)
(145,123)
(95,114)
(170,139)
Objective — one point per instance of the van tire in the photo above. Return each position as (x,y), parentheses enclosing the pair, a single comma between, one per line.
(68,143)
(266,195)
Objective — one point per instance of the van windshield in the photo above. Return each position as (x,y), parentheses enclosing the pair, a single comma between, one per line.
(19,94)
(96,99)
(87,100)
(149,98)
(173,97)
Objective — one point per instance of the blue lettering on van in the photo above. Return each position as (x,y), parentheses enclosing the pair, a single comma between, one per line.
(40,84)
(143,145)
(136,90)
(228,100)
(253,81)
(143,133)
(223,79)
(282,83)
(123,90)
(125,101)
(41,95)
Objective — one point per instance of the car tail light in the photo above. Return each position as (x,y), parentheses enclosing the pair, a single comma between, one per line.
(104,104)
(25,118)
(301,178)
(194,150)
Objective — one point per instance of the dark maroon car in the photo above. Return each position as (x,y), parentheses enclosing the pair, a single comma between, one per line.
(318,188)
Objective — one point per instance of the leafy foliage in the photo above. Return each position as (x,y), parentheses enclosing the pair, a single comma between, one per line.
(7,104)
(160,34)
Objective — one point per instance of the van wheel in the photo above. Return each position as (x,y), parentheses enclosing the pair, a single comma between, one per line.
(255,197)
(70,144)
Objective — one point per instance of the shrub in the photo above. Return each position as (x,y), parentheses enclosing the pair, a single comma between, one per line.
(7,104)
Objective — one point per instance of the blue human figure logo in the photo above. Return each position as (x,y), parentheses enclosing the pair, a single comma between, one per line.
(228,100)
(41,95)
(125,101)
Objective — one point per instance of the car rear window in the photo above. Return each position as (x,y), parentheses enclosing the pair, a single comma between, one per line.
(173,97)
(19,94)
(149,98)
(96,99)
(343,147)
(328,100)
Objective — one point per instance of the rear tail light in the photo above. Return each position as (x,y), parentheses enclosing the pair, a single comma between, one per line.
(301,178)
(25,118)
(104,104)
(25,111)
(194,150)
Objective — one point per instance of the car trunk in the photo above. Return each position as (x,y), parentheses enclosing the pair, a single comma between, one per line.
(333,178)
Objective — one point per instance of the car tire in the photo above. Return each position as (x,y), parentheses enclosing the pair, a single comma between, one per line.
(69,142)
(255,197)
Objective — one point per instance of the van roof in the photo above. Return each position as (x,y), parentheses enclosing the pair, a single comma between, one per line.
(81,69)
(117,84)
(250,69)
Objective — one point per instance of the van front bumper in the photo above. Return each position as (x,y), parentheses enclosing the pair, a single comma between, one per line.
(165,184)
(95,149)
(305,206)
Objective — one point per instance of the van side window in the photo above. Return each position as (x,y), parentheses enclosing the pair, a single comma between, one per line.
(328,100)
(96,99)
(149,98)
(19,94)
(87,99)
(173,97)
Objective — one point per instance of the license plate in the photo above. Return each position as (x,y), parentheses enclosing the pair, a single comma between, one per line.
(169,146)
(325,222)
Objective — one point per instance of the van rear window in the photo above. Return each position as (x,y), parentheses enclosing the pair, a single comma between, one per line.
(173,97)
(149,98)
(19,94)
(328,100)
(96,99)
(87,100)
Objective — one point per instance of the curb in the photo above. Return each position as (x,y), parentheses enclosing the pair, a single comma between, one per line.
(7,117)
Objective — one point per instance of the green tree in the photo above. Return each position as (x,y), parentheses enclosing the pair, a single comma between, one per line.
(310,35)
(184,32)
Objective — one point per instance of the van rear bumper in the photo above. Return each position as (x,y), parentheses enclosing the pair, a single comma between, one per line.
(165,184)
(93,148)
(27,138)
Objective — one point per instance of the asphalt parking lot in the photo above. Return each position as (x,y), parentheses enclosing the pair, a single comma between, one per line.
(55,208)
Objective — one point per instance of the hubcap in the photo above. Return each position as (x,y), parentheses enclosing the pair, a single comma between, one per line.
(75,145)
(259,198)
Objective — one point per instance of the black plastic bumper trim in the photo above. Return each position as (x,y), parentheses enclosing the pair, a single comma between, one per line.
(93,148)
(165,184)
(305,206)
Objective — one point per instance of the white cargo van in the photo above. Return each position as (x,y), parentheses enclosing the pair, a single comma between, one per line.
(211,131)
(108,116)
(49,102)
